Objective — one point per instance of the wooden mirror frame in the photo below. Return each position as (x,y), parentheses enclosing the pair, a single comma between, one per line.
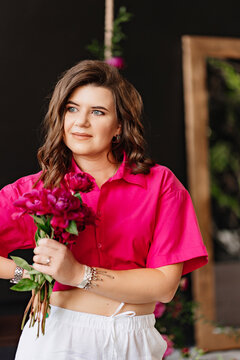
(196,49)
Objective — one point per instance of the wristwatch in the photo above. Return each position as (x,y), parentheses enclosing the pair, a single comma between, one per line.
(18,274)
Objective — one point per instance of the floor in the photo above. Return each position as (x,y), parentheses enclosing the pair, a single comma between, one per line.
(7,353)
(215,355)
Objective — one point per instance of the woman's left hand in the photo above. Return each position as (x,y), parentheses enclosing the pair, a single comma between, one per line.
(55,259)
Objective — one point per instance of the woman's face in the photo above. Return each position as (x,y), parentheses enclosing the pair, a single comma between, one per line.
(90,121)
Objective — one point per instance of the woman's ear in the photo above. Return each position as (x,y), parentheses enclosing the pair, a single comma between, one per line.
(119,129)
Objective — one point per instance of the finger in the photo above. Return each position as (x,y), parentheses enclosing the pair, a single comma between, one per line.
(42,254)
(44,251)
(42,259)
(50,243)
(45,269)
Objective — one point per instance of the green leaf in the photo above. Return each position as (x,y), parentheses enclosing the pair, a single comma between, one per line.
(25,285)
(37,236)
(48,278)
(50,288)
(44,228)
(43,224)
(42,293)
(41,279)
(33,272)
(39,219)
(42,234)
(72,228)
(78,195)
(96,49)
(21,262)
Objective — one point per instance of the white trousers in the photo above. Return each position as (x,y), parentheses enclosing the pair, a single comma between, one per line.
(72,335)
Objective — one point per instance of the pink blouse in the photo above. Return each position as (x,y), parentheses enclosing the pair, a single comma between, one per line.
(144,221)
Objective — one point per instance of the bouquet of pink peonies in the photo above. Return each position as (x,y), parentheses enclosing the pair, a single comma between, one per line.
(59,214)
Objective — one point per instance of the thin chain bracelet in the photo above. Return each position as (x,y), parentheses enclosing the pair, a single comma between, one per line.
(92,274)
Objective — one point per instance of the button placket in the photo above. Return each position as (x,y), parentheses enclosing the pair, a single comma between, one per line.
(98,228)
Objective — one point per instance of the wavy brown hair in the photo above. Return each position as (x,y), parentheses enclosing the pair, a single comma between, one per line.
(54,156)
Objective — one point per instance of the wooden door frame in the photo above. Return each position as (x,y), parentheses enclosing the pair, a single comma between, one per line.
(196,49)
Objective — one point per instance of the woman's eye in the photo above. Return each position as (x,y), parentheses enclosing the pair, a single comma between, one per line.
(71,109)
(98,112)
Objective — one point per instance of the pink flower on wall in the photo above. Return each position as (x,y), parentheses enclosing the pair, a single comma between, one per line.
(170,345)
(116,61)
(184,284)
(159,309)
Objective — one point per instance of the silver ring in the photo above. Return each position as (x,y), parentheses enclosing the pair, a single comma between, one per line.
(48,261)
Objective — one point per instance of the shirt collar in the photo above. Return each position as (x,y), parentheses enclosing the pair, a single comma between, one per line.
(123,172)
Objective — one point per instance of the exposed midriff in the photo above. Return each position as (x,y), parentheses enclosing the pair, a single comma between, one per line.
(88,302)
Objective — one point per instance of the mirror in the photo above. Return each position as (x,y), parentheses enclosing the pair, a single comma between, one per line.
(211,68)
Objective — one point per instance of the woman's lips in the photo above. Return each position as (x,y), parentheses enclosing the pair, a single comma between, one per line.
(81,135)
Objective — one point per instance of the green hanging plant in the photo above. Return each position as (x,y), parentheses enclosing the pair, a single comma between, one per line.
(96,48)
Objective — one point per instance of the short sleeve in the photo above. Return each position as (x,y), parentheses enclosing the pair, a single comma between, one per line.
(14,233)
(177,237)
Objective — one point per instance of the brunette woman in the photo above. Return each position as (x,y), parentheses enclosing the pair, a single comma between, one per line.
(147,236)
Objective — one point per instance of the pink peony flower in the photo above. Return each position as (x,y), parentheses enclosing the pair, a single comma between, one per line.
(170,345)
(184,284)
(63,202)
(60,207)
(185,352)
(78,182)
(59,222)
(58,203)
(159,309)
(116,61)
(177,309)
(32,203)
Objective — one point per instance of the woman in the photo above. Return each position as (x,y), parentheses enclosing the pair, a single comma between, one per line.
(146,237)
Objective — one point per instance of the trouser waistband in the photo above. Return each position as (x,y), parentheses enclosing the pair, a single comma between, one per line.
(81,319)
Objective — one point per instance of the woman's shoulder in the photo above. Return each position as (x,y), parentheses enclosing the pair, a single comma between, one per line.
(22,185)
(162,177)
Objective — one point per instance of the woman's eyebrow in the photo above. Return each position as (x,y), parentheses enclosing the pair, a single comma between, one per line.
(99,107)
(72,102)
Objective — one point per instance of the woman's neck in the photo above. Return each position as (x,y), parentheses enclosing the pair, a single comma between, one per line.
(99,167)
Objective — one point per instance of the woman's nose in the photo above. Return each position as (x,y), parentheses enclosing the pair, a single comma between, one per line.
(82,119)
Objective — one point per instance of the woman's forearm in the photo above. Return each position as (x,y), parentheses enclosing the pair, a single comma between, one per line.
(7,268)
(138,286)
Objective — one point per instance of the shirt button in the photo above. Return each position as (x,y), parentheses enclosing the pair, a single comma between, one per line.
(99,245)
